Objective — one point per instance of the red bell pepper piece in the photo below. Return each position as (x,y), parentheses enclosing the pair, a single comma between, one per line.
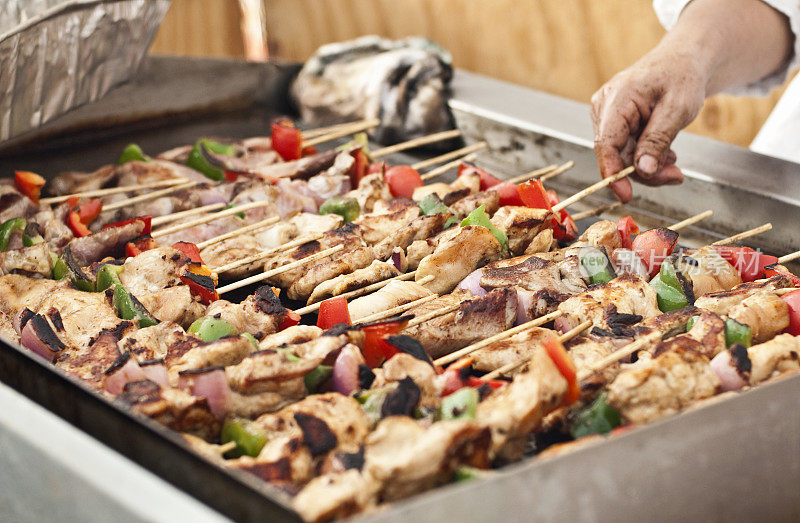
(509,194)
(376,348)
(377,167)
(287,140)
(487,180)
(147,220)
(402,180)
(627,228)
(78,228)
(190,250)
(360,167)
(793,301)
(290,320)
(750,264)
(139,245)
(472,381)
(533,194)
(564,227)
(333,311)
(308,150)
(654,246)
(201,282)
(566,367)
(30,184)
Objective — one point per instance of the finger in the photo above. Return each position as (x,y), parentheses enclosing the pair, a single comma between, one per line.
(668,175)
(671,158)
(654,143)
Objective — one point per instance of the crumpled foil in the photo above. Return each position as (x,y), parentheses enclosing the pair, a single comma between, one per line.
(56,55)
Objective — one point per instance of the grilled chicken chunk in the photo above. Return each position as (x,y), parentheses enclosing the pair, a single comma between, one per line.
(613,306)
(349,236)
(662,386)
(521,225)
(293,335)
(173,408)
(375,272)
(518,347)
(536,274)
(13,204)
(393,294)
(336,495)
(104,243)
(378,225)
(603,234)
(153,270)
(260,314)
(709,272)
(78,317)
(477,318)
(371,189)
(31,261)
(776,356)
(406,458)
(228,350)
(231,250)
(754,305)
(7,331)
(302,435)
(454,259)
(167,341)
(464,206)
(173,304)
(706,337)
(90,362)
(401,366)
(512,412)
(342,263)
(18,292)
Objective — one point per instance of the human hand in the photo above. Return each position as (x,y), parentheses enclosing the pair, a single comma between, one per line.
(638,113)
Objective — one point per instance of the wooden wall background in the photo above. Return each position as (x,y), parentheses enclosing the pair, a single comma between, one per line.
(565,47)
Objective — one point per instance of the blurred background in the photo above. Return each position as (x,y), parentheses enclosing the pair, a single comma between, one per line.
(565,47)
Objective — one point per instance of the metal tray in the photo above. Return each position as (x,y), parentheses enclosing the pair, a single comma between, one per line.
(736,458)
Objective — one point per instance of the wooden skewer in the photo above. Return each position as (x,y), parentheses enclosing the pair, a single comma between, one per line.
(433,314)
(241,230)
(433,173)
(593,188)
(359,292)
(416,142)
(320,131)
(113,190)
(278,270)
(597,210)
(475,147)
(211,217)
(785,290)
(266,254)
(149,196)
(453,356)
(561,169)
(742,235)
(344,131)
(619,354)
(394,311)
(161,220)
(533,174)
(226,447)
(505,369)
(789,257)
(691,220)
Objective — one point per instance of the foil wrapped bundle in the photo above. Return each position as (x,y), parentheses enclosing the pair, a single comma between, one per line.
(404,83)
(56,55)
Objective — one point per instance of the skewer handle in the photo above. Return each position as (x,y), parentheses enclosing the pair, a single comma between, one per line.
(743,235)
(433,173)
(593,188)
(597,210)
(416,142)
(449,156)
(113,190)
(149,196)
(561,169)
(691,220)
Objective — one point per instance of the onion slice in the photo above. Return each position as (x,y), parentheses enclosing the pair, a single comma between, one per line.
(472,283)
(38,337)
(345,370)
(211,384)
(123,370)
(725,368)
(155,371)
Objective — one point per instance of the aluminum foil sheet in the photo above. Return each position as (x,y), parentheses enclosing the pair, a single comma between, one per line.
(56,55)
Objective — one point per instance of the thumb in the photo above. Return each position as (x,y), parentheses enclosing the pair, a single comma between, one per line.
(653,146)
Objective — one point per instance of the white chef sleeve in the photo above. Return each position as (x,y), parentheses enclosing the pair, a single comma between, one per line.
(668,12)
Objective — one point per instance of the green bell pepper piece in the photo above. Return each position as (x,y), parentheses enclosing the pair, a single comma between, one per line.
(75,272)
(371,403)
(107,276)
(211,329)
(479,217)
(249,438)
(467,473)
(7,227)
(597,418)
(60,269)
(597,266)
(129,308)
(736,332)
(669,298)
(291,356)
(462,404)
(317,377)
(132,153)
(347,208)
(432,204)
(359,140)
(669,275)
(691,322)
(198,162)
(31,235)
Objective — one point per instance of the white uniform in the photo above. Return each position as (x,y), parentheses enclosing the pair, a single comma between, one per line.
(780,134)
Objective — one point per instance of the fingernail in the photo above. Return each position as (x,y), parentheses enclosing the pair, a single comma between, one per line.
(647,164)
